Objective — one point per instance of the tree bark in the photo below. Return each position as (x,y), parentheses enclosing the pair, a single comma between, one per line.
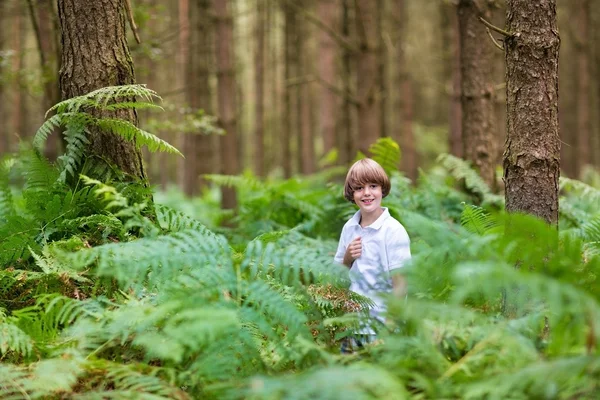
(403,104)
(4,129)
(328,11)
(259,81)
(95,55)
(368,75)
(452,38)
(226,93)
(532,151)
(583,102)
(477,89)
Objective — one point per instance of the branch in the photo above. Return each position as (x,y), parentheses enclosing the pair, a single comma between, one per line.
(498,45)
(334,89)
(340,39)
(495,28)
(132,22)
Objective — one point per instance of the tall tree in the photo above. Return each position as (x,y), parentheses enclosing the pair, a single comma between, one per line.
(403,99)
(368,74)
(452,39)
(532,151)
(328,12)
(95,54)
(477,89)
(42,15)
(259,81)
(4,136)
(583,76)
(226,94)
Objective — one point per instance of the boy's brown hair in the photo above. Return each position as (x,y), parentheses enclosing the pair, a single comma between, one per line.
(362,172)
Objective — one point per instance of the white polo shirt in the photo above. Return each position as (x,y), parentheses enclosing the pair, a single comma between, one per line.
(385,246)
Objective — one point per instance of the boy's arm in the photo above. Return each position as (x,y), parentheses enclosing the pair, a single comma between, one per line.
(398,285)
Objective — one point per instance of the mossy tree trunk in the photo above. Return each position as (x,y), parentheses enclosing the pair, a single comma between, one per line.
(95,54)
(532,151)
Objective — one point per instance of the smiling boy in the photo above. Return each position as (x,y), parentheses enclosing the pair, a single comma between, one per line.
(372,242)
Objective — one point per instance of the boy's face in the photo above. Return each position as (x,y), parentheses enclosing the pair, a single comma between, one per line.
(368,197)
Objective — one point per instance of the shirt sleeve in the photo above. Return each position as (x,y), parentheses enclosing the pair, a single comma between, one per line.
(341,250)
(398,248)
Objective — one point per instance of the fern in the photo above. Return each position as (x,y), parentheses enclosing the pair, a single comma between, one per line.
(387,153)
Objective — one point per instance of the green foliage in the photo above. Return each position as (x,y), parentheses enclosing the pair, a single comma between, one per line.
(79,115)
(104,294)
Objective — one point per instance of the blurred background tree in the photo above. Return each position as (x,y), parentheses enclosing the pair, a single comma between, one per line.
(312,82)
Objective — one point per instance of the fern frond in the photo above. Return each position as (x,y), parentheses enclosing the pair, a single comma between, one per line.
(238,182)
(132,133)
(475,219)
(40,137)
(461,170)
(580,189)
(387,153)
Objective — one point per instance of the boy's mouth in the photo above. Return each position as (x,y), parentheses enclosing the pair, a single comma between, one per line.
(368,201)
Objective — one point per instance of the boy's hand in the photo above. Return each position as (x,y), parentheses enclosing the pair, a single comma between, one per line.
(353,252)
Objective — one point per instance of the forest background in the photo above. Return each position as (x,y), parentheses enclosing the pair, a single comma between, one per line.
(217,280)
(306,83)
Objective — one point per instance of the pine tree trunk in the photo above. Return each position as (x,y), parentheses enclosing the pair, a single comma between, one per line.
(452,38)
(345,139)
(403,104)
(290,60)
(368,75)
(532,152)
(477,89)
(259,81)
(4,129)
(95,55)
(582,43)
(42,16)
(328,11)
(226,98)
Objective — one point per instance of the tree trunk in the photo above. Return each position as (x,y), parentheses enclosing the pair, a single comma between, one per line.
(477,89)
(403,107)
(226,98)
(368,75)
(532,152)
(259,81)
(4,129)
(327,11)
(306,148)
(291,62)
(583,103)
(95,55)
(42,17)
(345,138)
(452,38)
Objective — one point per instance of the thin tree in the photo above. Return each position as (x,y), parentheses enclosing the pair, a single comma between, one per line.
(452,39)
(477,89)
(259,81)
(403,99)
(42,15)
(328,11)
(532,151)
(582,38)
(226,94)
(95,54)
(368,74)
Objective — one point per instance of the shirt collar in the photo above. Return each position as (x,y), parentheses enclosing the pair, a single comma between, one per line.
(355,220)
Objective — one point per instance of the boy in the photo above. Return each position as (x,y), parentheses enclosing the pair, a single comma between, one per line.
(372,242)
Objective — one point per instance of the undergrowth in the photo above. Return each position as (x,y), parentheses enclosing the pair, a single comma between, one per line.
(106,294)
